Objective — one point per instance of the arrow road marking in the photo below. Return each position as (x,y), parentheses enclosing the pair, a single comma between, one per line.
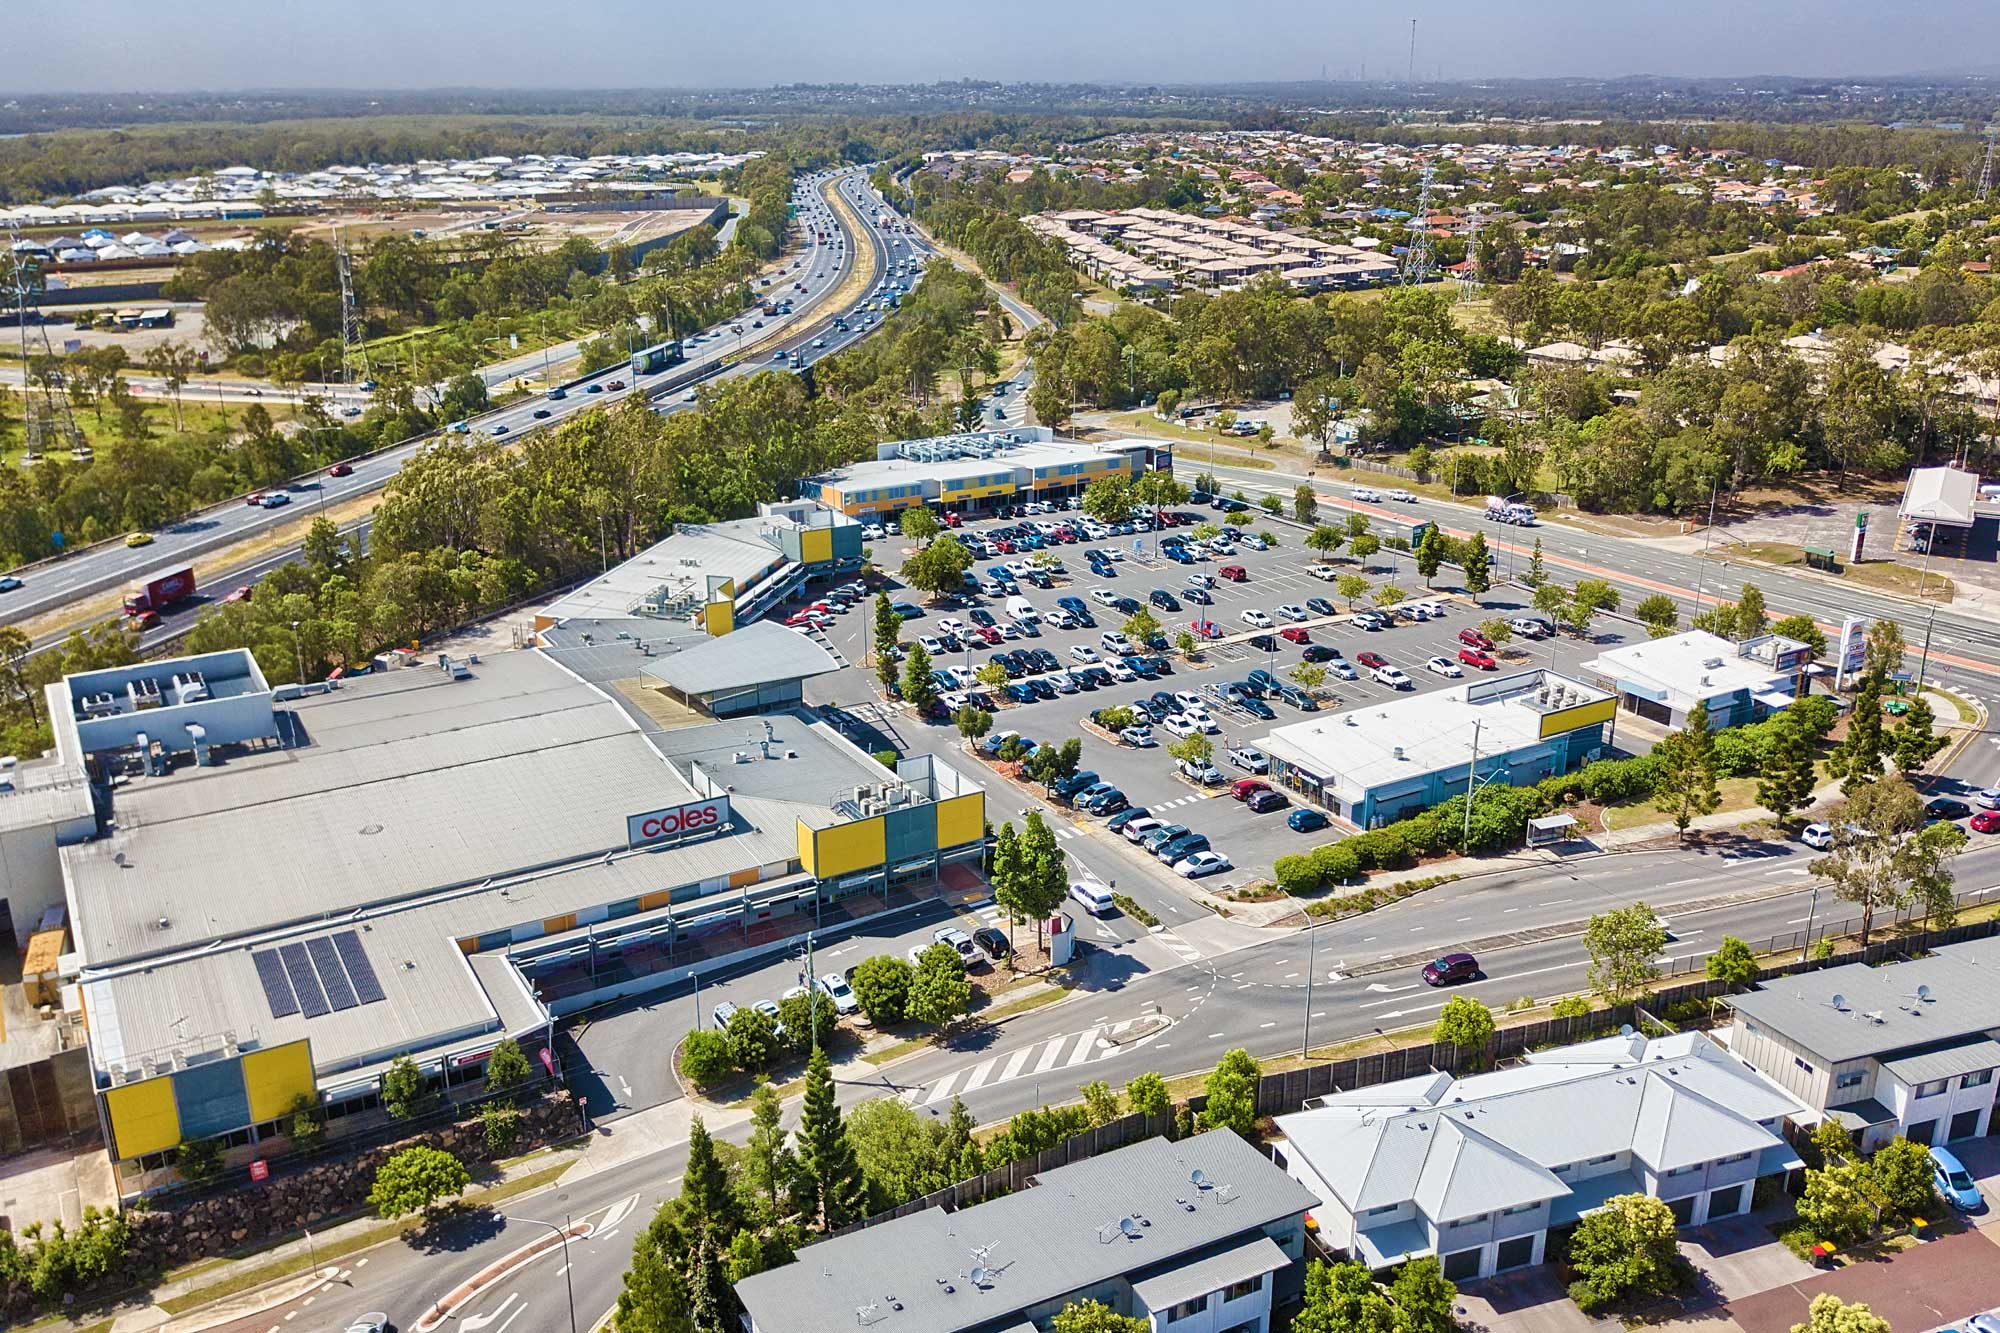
(479,1321)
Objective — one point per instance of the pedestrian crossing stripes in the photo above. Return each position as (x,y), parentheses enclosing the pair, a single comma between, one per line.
(1051,1055)
(1186,952)
(1064,834)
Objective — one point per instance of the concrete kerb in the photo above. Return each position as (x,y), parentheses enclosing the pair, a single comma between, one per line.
(441,1309)
(241,1306)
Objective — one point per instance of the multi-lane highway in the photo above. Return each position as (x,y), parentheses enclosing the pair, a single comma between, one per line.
(818,270)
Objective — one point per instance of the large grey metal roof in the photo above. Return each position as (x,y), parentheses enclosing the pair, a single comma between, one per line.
(1879,1013)
(1459,1148)
(758,653)
(1238,1261)
(1059,1237)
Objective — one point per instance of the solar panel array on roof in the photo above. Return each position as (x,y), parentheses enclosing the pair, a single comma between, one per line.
(277,989)
(359,969)
(322,975)
(312,999)
(332,975)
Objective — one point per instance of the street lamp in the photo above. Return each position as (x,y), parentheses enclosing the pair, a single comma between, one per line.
(563,1233)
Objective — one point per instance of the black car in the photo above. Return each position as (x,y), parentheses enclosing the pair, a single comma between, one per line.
(1101,675)
(1319,652)
(1319,606)
(979,615)
(1166,702)
(1044,659)
(1264,643)
(1008,663)
(993,940)
(1117,822)
(1149,710)
(1042,689)
(1256,708)
(1125,606)
(1164,600)
(1946,807)
(1200,595)
(1265,800)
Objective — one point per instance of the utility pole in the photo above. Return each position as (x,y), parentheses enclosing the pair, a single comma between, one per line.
(1707,538)
(1986,168)
(1471,785)
(1417,263)
(1312,960)
(1413,52)
(562,1232)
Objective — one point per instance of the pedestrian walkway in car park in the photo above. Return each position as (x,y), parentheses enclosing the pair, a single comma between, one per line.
(1048,1057)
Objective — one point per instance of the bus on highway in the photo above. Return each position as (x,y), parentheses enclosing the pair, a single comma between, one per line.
(657,357)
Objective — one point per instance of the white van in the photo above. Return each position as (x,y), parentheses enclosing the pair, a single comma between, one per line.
(1020,608)
(1093,898)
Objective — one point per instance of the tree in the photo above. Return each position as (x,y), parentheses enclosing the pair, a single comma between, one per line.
(1912,742)
(1465,1023)
(1196,749)
(919,690)
(768,1161)
(993,676)
(1732,962)
(1095,1317)
(1902,1170)
(1147,1095)
(1497,631)
(306,1126)
(199,1160)
(1685,787)
(831,1190)
(506,1066)
(753,1038)
(1308,675)
(1660,614)
(1141,626)
(808,1019)
(1622,945)
(706,1058)
(939,567)
(1325,540)
(1570,1006)
(1366,545)
(939,992)
(1750,613)
(1829,1314)
(415,1179)
(919,524)
(1425,1299)
(1350,586)
(1342,1298)
(1033,881)
(1785,779)
(1857,759)
(1835,1203)
(1232,1094)
(1536,574)
(1883,654)
(1389,594)
(1552,600)
(1305,503)
(1108,499)
(1879,860)
(973,722)
(1100,1103)
(405,1094)
(1430,554)
(1804,630)
(1626,1248)
(887,626)
(1477,562)
(1050,764)
(1585,600)
(881,985)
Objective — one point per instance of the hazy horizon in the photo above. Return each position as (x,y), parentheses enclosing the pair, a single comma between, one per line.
(298,45)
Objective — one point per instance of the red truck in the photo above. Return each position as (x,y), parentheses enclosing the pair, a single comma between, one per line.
(159,592)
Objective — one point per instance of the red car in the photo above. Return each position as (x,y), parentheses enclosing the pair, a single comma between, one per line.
(241,594)
(1473,657)
(144,620)
(1206,629)
(341,470)
(1006,545)
(1293,634)
(1370,660)
(951,519)
(1986,821)
(989,633)
(1244,788)
(255,499)
(797,618)
(1472,638)
(1234,573)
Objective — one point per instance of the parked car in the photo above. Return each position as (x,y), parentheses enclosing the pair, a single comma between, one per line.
(993,940)
(842,995)
(1986,821)
(1946,807)
(1244,788)
(1394,678)
(1472,638)
(1443,666)
(1450,969)
(1478,658)
(1305,819)
(722,1013)
(1954,1182)
(1200,864)
(1371,660)
(1819,837)
(1263,802)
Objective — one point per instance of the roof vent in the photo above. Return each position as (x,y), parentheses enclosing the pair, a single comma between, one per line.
(1399,752)
(1874,1016)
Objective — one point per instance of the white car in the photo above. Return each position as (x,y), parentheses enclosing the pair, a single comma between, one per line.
(1222,546)
(1819,837)
(1202,721)
(1988,799)
(931,644)
(1140,736)
(1443,666)
(1393,678)
(1058,618)
(840,993)
(1413,611)
(1180,724)
(874,532)
(1103,596)
(1121,673)
(1200,580)
(1257,618)
(1292,611)
(1201,863)
(953,626)
(1083,652)
(1399,496)
(1189,701)
(1139,828)
(1434,609)
(1363,493)
(1324,573)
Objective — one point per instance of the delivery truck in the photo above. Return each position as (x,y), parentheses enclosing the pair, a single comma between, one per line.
(159,592)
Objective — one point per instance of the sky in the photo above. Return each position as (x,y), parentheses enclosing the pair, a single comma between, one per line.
(143,45)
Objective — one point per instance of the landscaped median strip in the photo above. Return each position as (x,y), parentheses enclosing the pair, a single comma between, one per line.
(442,1308)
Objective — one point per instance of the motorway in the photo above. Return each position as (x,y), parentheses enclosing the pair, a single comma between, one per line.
(821,266)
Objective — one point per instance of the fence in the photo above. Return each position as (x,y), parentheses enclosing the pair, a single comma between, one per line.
(1802,940)
(1287,1090)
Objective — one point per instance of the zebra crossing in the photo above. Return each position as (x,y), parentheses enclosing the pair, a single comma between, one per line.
(1051,1055)
(1186,952)
(1180,801)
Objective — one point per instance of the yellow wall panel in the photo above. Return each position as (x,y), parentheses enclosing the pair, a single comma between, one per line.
(468,944)
(1570,719)
(740,878)
(816,544)
(808,846)
(277,1077)
(721,618)
(556,925)
(143,1117)
(657,898)
(845,848)
(960,820)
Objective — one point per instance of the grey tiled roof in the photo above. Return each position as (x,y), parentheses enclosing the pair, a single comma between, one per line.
(1058,1237)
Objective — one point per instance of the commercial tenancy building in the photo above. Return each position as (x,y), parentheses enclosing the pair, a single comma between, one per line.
(978,471)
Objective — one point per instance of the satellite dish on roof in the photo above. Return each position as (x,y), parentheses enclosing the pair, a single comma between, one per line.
(1625,1029)
(1840,1001)
(1200,1178)
(978,1276)
(1129,1227)
(1923,992)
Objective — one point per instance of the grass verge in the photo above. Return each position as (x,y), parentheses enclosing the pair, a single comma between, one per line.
(1887,575)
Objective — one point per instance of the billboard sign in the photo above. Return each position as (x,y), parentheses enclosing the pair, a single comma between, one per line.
(1853,648)
(675,822)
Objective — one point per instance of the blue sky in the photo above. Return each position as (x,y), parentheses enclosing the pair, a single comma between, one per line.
(129,45)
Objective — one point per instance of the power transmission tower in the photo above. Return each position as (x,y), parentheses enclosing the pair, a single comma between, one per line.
(350,323)
(1986,168)
(46,418)
(1413,52)
(1417,263)
(1468,278)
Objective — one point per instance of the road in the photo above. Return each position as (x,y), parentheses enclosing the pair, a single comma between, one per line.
(52,584)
